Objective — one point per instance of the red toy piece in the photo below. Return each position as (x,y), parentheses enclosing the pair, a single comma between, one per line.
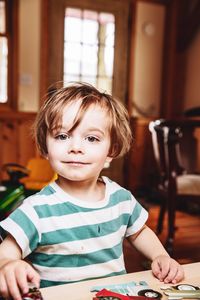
(116,296)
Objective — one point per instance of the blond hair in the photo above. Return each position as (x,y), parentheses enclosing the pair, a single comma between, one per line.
(49,117)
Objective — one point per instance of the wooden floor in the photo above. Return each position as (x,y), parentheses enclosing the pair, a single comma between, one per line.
(187,240)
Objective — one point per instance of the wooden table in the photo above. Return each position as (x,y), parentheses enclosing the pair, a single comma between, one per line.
(81,290)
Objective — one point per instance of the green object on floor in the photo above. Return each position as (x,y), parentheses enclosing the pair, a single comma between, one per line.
(10,199)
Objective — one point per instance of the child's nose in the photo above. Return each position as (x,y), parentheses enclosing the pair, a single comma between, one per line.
(75,146)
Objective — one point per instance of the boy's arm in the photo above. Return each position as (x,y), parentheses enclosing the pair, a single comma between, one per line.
(163,266)
(146,242)
(14,272)
(9,250)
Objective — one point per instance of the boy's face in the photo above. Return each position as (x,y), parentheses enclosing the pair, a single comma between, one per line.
(80,155)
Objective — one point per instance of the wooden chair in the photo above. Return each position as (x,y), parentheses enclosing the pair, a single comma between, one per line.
(176,185)
(192,112)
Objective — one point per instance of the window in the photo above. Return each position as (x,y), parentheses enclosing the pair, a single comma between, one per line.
(89,47)
(8,52)
(87,41)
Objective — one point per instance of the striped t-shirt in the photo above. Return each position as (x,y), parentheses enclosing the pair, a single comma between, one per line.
(70,240)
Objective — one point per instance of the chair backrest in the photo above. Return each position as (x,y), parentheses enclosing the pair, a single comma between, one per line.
(166,146)
(158,148)
(192,112)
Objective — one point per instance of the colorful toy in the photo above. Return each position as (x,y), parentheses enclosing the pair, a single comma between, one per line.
(33,294)
(182,291)
(109,295)
(149,293)
(130,290)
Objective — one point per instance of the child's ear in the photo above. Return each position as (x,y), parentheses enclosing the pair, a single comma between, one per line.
(46,156)
(107,162)
(109,159)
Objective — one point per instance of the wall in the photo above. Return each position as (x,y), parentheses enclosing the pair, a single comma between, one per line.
(17,145)
(192,76)
(145,83)
(29,55)
(145,69)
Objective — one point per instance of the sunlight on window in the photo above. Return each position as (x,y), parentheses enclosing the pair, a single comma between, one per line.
(89,47)
(2,17)
(3,69)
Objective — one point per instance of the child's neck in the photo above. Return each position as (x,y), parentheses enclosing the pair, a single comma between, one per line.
(91,191)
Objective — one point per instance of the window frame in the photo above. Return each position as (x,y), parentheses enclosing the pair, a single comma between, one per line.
(12,37)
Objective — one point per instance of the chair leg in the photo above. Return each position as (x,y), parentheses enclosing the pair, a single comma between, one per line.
(161,216)
(171,207)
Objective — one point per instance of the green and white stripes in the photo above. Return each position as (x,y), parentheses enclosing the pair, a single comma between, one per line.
(69,240)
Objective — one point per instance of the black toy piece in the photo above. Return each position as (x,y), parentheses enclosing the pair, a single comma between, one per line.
(33,294)
(149,293)
(186,287)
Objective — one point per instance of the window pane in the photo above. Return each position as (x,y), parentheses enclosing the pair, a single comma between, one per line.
(70,77)
(72,67)
(109,49)
(3,69)
(73,32)
(110,31)
(104,83)
(89,60)
(2,17)
(90,31)
(89,47)
(72,51)
(91,80)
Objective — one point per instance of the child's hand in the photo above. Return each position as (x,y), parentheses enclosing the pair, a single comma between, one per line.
(14,278)
(167,269)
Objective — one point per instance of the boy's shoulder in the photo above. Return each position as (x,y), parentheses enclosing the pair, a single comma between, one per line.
(46,193)
(115,187)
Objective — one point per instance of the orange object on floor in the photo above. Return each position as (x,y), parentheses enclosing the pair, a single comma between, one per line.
(40,175)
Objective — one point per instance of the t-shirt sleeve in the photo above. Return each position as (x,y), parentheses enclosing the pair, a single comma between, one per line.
(23,226)
(138,217)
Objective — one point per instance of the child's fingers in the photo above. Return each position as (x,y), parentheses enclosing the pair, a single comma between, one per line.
(179,275)
(171,275)
(21,278)
(3,287)
(13,288)
(167,269)
(160,269)
(175,274)
(170,271)
(33,276)
(156,268)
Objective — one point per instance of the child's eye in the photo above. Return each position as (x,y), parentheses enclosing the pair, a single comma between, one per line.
(62,137)
(92,139)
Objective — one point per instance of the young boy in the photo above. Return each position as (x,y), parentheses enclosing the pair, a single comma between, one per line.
(73,229)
